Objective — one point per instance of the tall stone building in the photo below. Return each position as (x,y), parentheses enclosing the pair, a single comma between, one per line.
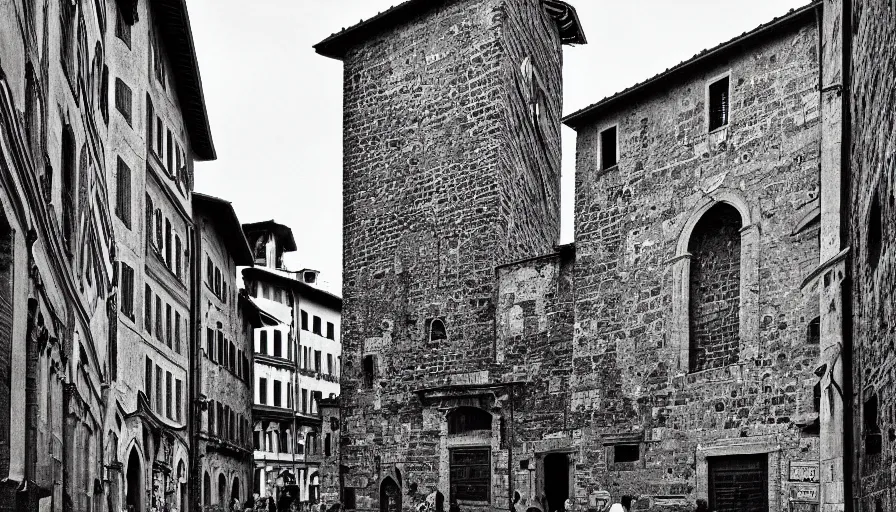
(58,275)
(102,115)
(223,361)
(869,230)
(686,346)
(297,362)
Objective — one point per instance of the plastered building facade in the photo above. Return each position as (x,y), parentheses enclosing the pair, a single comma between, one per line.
(297,365)
(687,346)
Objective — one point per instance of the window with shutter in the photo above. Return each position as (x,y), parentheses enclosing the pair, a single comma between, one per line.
(123,99)
(168,339)
(160,399)
(150,211)
(177,256)
(178,397)
(177,347)
(159,317)
(127,290)
(210,343)
(150,123)
(168,243)
(718,104)
(147,380)
(123,196)
(147,309)
(122,29)
(169,385)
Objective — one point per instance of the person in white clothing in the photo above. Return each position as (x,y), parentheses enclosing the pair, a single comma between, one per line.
(617,507)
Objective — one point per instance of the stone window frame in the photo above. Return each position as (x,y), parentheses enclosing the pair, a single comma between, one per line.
(749,279)
(706,103)
(600,147)
(485,439)
(769,445)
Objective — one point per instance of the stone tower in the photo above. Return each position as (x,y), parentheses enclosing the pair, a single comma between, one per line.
(451,169)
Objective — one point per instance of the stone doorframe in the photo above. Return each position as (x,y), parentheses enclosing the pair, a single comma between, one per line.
(770,445)
(749,279)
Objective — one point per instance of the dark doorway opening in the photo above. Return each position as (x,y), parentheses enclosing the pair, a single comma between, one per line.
(133,500)
(738,483)
(556,480)
(390,496)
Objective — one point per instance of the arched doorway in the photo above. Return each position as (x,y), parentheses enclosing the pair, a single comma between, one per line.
(134,497)
(222,490)
(182,485)
(390,496)
(206,490)
(235,490)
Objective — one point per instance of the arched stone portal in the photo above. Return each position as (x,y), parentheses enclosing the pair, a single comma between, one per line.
(134,497)
(390,496)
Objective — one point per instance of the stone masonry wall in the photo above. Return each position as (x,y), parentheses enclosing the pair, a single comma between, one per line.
(874,317)
(630,378)
(449,173)
(715,289)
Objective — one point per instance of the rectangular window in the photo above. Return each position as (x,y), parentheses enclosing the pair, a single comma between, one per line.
(304,321)
(160,134)
(169,154)
(278,344)
(169,385)
(178,249)
(150,123)
(263,343)
(315,328)
(368,368)
(608,157)
(626,453)
(127,290)
(331,331)
(288,395)
(317,365)
(123,193)
(160,399)
(159,317)
(277,390)
(470,474)
(147,309)
(150,211)
(168,243)
(147,380)
(160,240)
(177,347)
(122,29)
(168,339)
(179,397)
(329,364)
(305,400)
(232,362)
(222,352)
(211,417)
(263,391)
(718,104)
(210,269)
(123,99)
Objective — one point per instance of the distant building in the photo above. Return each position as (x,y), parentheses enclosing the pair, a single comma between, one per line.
(223,359)
(297,364)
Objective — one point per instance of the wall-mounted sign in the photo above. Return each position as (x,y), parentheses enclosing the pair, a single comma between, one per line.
(806,493)
(803,472)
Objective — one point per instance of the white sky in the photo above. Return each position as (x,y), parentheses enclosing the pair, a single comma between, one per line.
(276,106)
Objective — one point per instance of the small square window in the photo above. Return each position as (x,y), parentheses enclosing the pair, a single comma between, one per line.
(608,157)
(718,104)
(626,453)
